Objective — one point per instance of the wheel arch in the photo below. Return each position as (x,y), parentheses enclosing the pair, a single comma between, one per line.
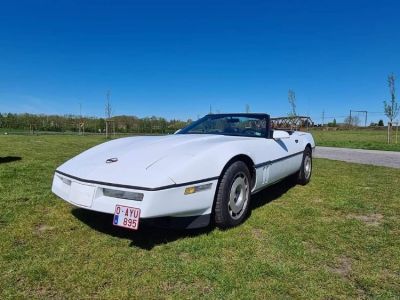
(249,163)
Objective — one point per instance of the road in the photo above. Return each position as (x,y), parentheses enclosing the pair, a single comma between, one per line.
(370,157)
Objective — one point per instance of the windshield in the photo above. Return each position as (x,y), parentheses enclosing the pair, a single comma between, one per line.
(238,125)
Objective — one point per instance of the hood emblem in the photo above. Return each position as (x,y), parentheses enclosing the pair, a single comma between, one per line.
(111,160)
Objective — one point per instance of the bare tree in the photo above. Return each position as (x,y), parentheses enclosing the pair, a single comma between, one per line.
(108,105)
(352,121)
(391,108)
(292,102)
(108,111)
(292,114)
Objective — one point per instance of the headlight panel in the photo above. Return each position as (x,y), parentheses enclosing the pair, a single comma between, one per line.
(65,180)
(123,194)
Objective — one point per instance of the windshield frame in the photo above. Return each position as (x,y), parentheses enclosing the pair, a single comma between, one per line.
(217,116)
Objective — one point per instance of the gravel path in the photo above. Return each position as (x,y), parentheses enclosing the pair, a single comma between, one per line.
(369,157)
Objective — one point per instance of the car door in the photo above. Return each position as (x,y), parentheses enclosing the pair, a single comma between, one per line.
(290,161)
(278,159)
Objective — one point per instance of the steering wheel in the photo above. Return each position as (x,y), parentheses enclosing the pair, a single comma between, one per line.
(250,131)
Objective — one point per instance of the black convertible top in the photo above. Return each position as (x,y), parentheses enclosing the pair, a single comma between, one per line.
(250,115)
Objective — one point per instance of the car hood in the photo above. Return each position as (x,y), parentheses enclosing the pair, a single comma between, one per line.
(136,158)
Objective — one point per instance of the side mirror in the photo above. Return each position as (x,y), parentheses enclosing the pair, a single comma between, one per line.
(280,134)
(177,131)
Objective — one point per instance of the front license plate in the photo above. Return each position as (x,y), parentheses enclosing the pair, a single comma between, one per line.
(126,216)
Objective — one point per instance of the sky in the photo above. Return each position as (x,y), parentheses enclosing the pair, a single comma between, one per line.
(176,58)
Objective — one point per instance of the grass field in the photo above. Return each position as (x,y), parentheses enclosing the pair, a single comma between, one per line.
(337,237)
(360,139)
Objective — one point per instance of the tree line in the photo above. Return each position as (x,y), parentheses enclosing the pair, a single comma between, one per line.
(73,123)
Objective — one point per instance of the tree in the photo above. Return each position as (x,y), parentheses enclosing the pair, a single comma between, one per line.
(108,106)
(380,123)
(391,108)
(352,121)
(292,102)
(292,114)
(332,124)
(108,113)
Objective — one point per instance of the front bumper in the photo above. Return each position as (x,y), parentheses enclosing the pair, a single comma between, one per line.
(171,202)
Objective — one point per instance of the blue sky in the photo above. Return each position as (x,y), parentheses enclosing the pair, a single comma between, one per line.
(175,58)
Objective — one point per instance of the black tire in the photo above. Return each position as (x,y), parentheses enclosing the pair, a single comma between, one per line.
(235,185)
(305,172)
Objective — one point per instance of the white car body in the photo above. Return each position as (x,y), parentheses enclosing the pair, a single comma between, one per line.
(160,168)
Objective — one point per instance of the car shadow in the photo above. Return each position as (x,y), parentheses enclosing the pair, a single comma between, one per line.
(272,193)
(148,236)
(8,159)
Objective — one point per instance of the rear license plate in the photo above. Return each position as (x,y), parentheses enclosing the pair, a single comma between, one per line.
(126,216)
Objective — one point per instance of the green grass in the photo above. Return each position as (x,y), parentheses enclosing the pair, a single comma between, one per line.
(360,139)
(338,237)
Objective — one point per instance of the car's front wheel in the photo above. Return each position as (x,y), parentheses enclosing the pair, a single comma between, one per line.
(233,196)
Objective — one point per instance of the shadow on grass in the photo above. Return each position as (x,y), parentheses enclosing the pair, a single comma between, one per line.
(8,159)
(149,236)
(272,193)
(146,237)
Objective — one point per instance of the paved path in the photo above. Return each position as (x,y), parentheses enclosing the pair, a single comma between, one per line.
(369,157)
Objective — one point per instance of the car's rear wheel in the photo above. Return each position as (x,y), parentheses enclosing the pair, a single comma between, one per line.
(233,196)
(305,172)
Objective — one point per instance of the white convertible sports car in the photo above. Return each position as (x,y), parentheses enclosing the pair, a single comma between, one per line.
(204,172)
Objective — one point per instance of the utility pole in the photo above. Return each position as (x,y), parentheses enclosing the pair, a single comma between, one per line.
(323,118)
(350,119)
(366,118)
(356,119)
